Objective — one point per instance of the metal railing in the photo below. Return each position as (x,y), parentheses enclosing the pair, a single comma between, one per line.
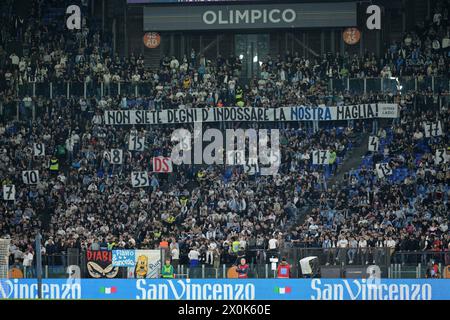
(19,110)
(84,89)
(392,84)
(145,88)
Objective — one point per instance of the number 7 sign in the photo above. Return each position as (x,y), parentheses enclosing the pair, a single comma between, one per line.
(9,192)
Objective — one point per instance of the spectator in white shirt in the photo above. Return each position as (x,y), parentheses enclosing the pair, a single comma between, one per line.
(273,244)
(175,255)
(390,243)
(342,245)
(210,252)
(362,245)
(14,60)
(193,256)
(28,261)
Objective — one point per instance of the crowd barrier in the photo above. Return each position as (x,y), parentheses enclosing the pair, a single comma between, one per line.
(133,89)
(235,289)
(334,263)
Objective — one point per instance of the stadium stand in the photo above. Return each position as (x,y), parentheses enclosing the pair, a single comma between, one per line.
(88,203)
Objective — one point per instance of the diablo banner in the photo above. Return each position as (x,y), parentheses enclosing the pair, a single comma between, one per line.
(147,264)
(99,264)
(299,113)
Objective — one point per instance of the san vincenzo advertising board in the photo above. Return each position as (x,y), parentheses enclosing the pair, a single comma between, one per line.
(226,289)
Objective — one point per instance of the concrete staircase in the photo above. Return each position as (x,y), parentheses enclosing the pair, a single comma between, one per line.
(152,58)
(353,159)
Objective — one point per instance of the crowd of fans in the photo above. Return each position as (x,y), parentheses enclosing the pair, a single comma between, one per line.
(203,211)
(85,56)
(406,211)
(90,203)
(88,199)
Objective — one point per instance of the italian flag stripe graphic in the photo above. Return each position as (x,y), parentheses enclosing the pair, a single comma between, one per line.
(108,290)
(282,290)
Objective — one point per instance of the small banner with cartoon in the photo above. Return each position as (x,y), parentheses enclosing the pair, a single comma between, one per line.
(148,264)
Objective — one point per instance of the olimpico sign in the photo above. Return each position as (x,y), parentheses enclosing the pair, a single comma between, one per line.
(249,16)
(257,16)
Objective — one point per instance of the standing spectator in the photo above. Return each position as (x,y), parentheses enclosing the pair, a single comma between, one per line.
(193,256)
(210,253)
(363,252)
(342,246)
(175,255)
(391,244)
(273,246)
(353,247)
(28,263)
